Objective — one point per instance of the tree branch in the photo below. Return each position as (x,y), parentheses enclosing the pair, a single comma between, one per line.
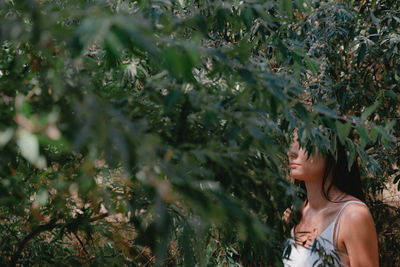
(41,228)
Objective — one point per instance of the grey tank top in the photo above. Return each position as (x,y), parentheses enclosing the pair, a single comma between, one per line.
(322,250)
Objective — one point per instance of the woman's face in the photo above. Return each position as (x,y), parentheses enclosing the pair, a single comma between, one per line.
(303,168)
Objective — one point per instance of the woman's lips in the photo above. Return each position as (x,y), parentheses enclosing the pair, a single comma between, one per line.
(293,165)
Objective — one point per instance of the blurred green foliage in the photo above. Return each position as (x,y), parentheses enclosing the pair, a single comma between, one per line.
(154,132)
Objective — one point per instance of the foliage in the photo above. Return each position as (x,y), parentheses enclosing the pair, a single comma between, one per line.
(154,132)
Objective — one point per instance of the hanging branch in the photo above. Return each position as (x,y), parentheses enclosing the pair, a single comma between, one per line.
(40,229)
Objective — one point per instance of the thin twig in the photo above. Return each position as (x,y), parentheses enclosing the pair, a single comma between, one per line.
(41,228)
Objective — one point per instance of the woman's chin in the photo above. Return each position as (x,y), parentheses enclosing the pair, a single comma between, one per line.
(297,176)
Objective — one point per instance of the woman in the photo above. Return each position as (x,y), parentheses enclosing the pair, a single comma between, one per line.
(333,218)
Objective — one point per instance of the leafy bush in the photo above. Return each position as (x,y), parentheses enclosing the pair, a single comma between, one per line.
(155,132)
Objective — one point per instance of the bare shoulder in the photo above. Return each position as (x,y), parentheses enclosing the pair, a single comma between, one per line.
(357,236)
(356,213)
(356,223)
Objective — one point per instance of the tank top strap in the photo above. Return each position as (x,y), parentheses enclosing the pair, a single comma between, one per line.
(335,222)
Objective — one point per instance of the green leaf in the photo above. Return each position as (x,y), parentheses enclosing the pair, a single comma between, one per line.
(352,153)
(5,136)
(343,130)
(391,94)
(302,112)
(221,17)
(41,196)
(113,48)
(389,126)
(247,76)
(248,17)
(26,109)
(385,135)
(374,135)
(362,51)
(287,6)
(374,19)
(209,119)
(325,110)
(202,24)
(29,145)
(312,65)
(368,111)
(363,136)
(171,99)
(187,247)
(179,63)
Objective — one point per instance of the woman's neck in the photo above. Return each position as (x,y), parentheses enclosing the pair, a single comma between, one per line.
(316,198)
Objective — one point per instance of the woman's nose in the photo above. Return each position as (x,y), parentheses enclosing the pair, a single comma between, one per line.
(292,154)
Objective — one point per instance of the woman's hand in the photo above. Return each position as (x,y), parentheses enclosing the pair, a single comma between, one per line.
(286,215)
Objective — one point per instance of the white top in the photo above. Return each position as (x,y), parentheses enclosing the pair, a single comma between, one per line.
(322,250)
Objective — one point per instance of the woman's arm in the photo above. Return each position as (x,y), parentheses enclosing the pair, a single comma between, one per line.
(357,235)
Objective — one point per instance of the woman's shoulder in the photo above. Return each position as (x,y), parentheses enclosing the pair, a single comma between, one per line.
(354,206)
(356,210)
(356,216)
(357,235)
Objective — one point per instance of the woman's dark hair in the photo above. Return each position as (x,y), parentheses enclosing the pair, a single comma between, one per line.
(347,181)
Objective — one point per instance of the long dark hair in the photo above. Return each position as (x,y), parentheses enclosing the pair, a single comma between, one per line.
(347,181)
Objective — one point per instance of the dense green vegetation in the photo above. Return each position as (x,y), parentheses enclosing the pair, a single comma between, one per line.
(154,132)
